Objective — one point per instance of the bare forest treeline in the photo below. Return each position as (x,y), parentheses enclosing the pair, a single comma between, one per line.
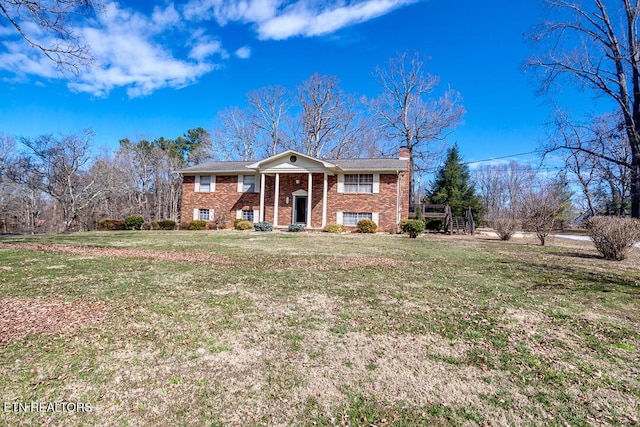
(57,183)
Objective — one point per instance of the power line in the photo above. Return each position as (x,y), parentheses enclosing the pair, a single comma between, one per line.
(501,157)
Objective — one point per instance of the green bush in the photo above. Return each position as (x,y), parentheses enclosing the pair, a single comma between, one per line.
(262,226)
(154,225)
(333,228)
(296,228)
(242,224)
(367,226)
(111,224)
(613,236)
(167,224)
(197,224)
(133,222)
(412,227)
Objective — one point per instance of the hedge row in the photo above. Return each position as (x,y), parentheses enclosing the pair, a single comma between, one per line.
(134,222)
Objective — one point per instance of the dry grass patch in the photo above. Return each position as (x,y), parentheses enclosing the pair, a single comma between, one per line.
(21,317)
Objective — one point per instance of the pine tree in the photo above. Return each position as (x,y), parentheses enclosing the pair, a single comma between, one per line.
(453,186)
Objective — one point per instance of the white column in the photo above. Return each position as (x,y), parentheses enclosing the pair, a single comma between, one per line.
(309,195)
(275,200)
(324,199)
(262,197)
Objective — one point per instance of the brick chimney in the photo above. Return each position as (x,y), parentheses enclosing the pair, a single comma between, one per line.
(404,153)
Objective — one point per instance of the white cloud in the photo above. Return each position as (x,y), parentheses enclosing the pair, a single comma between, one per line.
(307,20)
(165,18)
(224,11)
(279,20)
(144,53)
(126,54)
(205,48)
(244,52)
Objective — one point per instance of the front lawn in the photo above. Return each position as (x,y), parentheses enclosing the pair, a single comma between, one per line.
(244,328)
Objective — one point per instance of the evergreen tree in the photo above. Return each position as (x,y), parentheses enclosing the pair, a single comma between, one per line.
(453,186)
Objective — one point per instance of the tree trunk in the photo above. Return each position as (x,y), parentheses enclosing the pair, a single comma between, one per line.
(635,182)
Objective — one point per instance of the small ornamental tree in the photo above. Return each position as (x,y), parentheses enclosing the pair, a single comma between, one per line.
(542,209)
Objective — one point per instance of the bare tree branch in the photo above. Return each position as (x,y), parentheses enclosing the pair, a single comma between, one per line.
(407,112)
(595,43)
(55,19)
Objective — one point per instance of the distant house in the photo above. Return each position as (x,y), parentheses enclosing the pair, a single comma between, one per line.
(293,188)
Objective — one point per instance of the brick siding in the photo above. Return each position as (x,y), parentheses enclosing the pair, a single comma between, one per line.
(226,200)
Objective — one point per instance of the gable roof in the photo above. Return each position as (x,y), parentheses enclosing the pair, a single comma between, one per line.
(281,158)
(330,165)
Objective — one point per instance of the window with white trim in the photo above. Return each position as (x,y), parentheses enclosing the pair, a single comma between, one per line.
(249,184)
(352,218)
(358,183)
(247,214)
(204,215)
(205,184)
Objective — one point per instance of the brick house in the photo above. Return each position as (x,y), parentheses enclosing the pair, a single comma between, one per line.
(293,188)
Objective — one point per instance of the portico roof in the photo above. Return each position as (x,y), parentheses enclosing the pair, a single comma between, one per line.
(291,161)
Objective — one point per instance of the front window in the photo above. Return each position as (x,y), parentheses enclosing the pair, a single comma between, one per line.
(248,215)
(204,215)
(205,184)
(352,218)
(358,183)
(249,184)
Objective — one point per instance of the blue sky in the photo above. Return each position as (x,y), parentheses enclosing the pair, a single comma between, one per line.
(170,66)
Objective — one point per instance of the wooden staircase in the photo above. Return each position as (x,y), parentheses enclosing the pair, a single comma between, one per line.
(451,224)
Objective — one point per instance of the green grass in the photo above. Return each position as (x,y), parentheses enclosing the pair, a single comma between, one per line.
(228,328)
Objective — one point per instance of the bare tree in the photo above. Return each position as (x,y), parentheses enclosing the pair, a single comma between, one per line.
(7,153)
(271,105)
(21,207)
(236,138)
(329,121)
(55,19)
(408,114)
(598,157)
(502,188)
(140,179)
(594,43)
(541,207)
(58,167)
